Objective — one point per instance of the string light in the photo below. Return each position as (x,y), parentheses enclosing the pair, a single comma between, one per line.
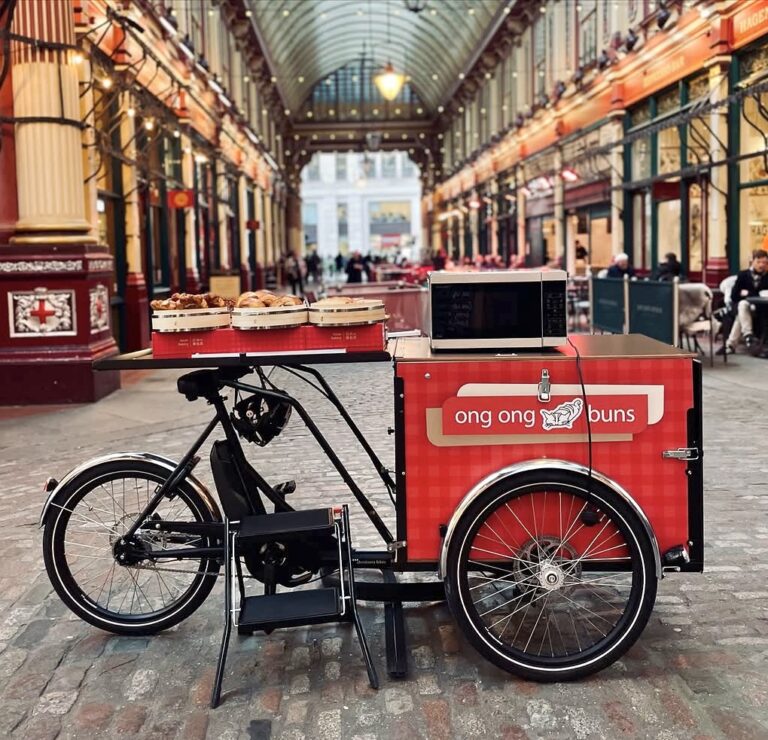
(106,83)
(77,58)
(131,112)
(149,124)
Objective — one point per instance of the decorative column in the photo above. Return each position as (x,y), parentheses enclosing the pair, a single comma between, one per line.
(261,251)
(522,241)
(242,210)
(190,221)
(559,207)
(54,295)
(269,242)
(617,177)
(716,266)
(136,299)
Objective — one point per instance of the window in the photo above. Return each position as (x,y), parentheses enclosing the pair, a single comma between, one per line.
(342,219)
(341,167)
(753,172)
(389,165)
(588,33)
(309,220)
(409,168)
(312,169)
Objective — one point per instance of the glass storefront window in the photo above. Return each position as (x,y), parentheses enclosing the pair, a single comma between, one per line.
(641,158)
(696,227)
(753,140)
(669,150)
(754,221)
(669,227)
(641,232)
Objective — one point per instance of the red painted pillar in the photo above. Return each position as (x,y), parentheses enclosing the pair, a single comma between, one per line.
(54,291)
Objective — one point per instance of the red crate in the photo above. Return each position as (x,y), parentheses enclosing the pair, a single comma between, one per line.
(187,343)
(296,339)
(369,338)
(271,340)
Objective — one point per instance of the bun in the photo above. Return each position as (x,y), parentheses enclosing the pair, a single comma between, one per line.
(338,300)
(287,300)
(250,302)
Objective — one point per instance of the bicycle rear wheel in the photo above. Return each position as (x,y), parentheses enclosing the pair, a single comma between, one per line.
(137,596)
(550,577)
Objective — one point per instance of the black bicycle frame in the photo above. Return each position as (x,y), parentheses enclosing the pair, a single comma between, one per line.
(189,460)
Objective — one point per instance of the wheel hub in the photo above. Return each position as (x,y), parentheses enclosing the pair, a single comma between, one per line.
(545,563)
(551,576)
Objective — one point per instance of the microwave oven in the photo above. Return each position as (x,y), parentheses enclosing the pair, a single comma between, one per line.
(521,309)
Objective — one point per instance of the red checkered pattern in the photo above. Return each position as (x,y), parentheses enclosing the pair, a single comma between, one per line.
(438,477)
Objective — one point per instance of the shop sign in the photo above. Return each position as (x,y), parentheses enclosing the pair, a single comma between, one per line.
(512,413)
(180,198)
(750,23)
(665,69)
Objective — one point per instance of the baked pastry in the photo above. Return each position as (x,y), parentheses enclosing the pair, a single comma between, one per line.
(266,299)
(190,301)
(287,300)
(337,300)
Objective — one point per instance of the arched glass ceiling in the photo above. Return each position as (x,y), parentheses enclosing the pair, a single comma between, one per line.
(307,40)
(349,94)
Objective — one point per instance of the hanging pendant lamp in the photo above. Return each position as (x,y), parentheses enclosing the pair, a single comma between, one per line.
(389,82)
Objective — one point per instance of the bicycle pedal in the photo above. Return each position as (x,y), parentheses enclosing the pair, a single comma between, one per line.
(285,488)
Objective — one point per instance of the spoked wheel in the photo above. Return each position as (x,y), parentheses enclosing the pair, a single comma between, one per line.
(549,580)
(111,585)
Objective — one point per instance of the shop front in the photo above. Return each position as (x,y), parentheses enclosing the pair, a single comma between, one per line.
(751,129)
(668,174)
(541,245)
(506,218)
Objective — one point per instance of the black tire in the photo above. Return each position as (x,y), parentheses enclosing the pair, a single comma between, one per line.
(536,570)
(84,521)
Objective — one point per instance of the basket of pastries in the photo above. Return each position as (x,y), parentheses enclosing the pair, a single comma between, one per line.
(346,311)
(262,309)
(190,312)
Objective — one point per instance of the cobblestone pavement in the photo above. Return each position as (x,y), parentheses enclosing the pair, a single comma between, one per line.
(699,669)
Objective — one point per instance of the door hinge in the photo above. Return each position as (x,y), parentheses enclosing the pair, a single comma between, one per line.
(544,387)
(682,453)
(396,545)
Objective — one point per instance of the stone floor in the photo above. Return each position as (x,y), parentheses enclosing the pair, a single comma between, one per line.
(699,670)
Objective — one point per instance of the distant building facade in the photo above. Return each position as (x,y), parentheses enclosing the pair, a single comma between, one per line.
(366,202)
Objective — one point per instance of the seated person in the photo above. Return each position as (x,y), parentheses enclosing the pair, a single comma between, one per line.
(748,283)
(621,267)
(670,268)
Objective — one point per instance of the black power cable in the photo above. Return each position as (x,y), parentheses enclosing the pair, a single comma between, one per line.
(586,410)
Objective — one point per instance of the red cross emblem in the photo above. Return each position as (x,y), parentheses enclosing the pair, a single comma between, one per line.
(41,312)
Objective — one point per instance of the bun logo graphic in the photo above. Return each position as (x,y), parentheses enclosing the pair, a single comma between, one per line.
(499,414)
(563,416)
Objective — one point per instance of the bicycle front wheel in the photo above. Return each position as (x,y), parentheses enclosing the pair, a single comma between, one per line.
(126,594)
(549,576)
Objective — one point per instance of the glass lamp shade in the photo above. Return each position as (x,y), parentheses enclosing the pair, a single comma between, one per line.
(389,82)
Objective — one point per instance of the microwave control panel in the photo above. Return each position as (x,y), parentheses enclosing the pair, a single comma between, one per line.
(554,310)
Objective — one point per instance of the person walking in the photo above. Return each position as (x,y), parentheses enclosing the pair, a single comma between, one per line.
(355,268)
(293,273)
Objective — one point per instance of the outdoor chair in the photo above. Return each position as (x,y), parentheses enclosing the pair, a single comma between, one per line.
(696,319)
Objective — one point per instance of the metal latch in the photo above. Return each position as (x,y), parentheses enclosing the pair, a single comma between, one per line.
(396,545)
(682,453)
(544,386)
